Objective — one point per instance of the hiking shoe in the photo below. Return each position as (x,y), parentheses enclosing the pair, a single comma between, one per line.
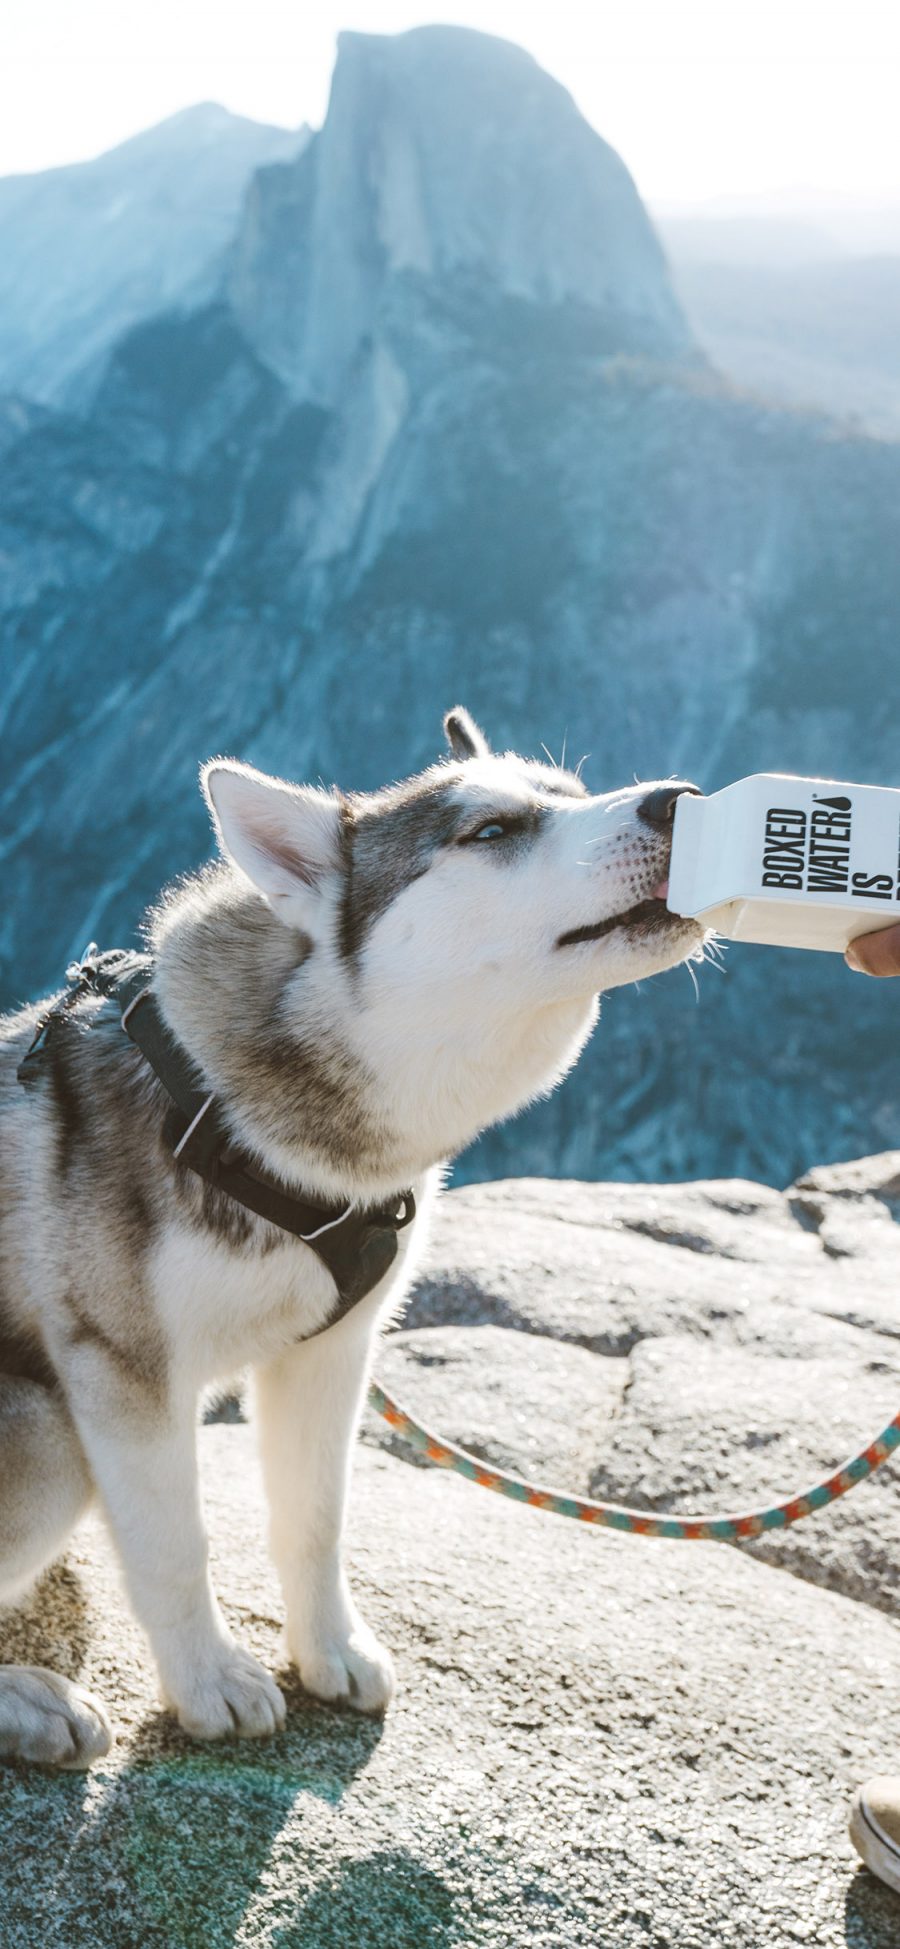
(875,1827)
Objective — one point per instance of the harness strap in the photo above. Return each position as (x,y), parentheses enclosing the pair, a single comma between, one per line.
(357,1247)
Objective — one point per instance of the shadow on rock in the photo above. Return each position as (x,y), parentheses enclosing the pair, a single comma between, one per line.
(454,1298)
(871,1913)
(385,1899)
(169,1851)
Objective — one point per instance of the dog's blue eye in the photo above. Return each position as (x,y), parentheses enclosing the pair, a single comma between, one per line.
(510,825)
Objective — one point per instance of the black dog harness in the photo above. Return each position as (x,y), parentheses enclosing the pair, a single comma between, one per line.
(358,1247)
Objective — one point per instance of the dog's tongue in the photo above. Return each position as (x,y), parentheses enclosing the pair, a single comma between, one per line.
(661,891)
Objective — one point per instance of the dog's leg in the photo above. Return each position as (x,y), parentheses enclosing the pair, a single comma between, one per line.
(308,1402)
(144,1462)
(45,1486)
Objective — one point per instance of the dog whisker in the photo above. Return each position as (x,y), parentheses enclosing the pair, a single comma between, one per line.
(708,955)
(603,838)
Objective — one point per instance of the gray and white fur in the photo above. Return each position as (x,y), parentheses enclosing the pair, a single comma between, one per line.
(365,982)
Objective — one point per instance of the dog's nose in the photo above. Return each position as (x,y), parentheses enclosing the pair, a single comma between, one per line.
(658,808)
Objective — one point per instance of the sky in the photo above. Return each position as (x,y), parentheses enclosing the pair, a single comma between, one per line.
(704,99)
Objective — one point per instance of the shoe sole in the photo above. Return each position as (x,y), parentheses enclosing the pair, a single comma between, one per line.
(878,1853)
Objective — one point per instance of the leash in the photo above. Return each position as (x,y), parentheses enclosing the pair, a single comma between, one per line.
(637,1522)
(359,1247)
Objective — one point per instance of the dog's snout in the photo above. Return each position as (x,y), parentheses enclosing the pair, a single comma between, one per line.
(658,808)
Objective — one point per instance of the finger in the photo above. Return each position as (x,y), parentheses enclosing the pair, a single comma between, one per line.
(876,954)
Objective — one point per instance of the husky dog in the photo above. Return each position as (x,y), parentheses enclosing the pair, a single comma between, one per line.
(365,983)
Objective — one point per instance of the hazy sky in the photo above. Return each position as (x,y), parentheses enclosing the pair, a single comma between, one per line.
(701,97)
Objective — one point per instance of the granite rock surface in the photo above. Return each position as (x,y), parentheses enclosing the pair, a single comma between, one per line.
(709,1346)
(596,1739)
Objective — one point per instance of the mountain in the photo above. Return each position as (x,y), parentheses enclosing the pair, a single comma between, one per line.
(803,308)
(786,226)
(87,251)
(450,162)
(825,335)
(442,432)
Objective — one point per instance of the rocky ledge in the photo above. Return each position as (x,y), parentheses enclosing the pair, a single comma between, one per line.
(691,1347)
(596,1739)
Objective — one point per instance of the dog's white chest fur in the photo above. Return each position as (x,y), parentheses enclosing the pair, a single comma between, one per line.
(224,1310)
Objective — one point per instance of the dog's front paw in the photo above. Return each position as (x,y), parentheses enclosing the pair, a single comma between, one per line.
(48,1721)
(230,1694)
(347,1667)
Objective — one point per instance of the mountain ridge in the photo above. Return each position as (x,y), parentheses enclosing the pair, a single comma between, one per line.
(510,499)
(89,249)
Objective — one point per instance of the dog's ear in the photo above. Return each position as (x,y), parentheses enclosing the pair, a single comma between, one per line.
(463,736)
(284,838)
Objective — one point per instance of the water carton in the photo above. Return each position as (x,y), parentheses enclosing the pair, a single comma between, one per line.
(792,862)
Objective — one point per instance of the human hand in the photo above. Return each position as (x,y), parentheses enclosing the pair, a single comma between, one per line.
(876,954)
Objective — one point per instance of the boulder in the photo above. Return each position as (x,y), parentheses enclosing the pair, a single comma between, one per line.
(595,1739)
(737,1344)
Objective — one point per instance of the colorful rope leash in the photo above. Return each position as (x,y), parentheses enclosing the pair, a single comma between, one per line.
(611,1515)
